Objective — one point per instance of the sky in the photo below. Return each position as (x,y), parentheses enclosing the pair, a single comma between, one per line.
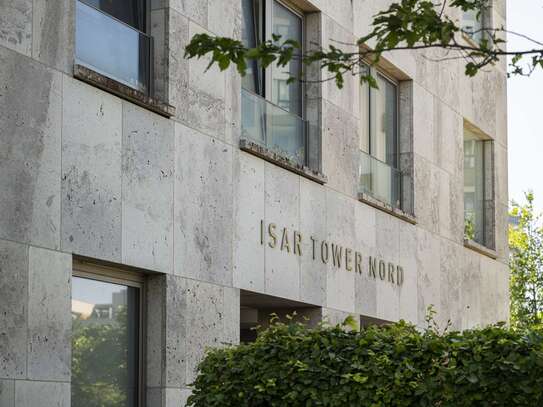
(525,107)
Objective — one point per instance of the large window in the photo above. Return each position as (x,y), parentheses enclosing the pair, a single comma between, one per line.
(380,176)
(472,24)
(478,189)
(272,108)
(106,344)
(111,40)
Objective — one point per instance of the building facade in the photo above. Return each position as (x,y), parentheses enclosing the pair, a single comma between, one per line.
(150,209)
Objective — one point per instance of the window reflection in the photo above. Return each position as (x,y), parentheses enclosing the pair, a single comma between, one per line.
(105,344)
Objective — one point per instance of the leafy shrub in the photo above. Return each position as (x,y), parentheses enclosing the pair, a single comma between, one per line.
(394,365)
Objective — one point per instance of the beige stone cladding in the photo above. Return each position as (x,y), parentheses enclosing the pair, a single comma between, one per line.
(86,174)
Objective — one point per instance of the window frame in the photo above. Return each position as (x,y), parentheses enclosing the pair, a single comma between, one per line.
(488,231)
(147,32)
(373,71)
(107,274)
(267,85)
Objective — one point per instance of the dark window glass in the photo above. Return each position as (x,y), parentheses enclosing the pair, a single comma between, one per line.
(105,344)
(131,12)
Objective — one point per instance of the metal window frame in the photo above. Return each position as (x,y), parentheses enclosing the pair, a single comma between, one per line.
(268,24)
(147,32)
(108,274)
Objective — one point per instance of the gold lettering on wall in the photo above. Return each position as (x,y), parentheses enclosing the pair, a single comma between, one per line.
(342,257)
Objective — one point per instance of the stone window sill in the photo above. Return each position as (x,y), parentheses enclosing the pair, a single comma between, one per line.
(377,204)
(118,89)
(281,161)
(479,248)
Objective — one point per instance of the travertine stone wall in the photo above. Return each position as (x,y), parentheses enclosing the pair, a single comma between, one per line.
(85,173)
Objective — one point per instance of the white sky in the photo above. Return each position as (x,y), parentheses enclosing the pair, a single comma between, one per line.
(525,107)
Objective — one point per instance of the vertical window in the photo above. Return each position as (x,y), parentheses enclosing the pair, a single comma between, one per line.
(472,24)
(379,145)
(111,40)
(272,108)
(106,345)
(478,189)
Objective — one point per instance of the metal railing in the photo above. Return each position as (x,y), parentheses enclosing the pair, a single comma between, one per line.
(274,128)
(112,48)
(381,181)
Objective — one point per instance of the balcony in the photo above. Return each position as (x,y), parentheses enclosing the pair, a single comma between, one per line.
(382,186)
(112,48)
(279,136)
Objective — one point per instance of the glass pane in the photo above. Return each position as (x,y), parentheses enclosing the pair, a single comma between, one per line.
(131,12)
(112,48)
(105,344)
(472,24)
(383,122)
(380,180)
(270,126)
(288,96)
(251,32)
(474,188)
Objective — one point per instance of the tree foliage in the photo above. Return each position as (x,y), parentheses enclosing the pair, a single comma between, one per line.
(405,24)
(526,264)
(395,365)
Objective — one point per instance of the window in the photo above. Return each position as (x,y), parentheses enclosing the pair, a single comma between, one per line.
(111,40)
(106,344)
(478,189)
(472,24)
(272,108)
(380,176)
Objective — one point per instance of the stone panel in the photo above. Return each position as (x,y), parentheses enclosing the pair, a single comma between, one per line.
(147,189)
(224,18)
(203,207)
(49,315)
(408,295)
(424,132)
(248,258)
(13,309)
(91,172)
(7,393)
(177,66)
(38,394)
(427,190)
(174,348)
(387,249)
(313,223)
(30,119)
(16,23)
(470,266)
(340,152)
(203,105)
(210,311)
(282,207)
(196,11)
(340,284)
(53,32)
(428,270)
(451,309)
(366,241)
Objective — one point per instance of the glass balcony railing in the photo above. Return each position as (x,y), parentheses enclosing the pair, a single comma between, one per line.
(274,128)
(380,180)
(112,48)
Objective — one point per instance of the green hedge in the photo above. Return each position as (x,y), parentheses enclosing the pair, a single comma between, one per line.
(396,365)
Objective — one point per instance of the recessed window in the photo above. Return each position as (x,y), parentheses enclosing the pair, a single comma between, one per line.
(380,175)
(106,344)
(478,189)
(111,40)
(472,24)
(272,107)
